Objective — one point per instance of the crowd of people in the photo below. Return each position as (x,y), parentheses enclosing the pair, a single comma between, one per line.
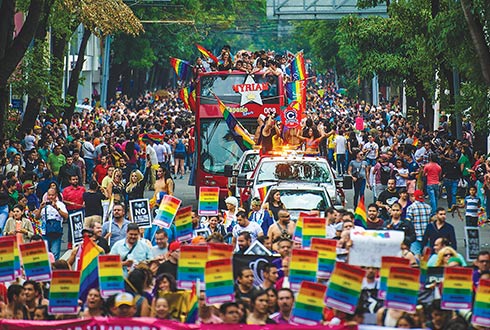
(146,144)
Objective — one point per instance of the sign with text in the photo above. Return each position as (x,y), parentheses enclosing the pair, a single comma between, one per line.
(167,211)
(308,306)
(140,212)
(472,236)
(76,224)
(7,258)
(111,277)
(192,263)
(369,246)
(36,261)
(63,292)
(303,267)
(481,306)
(208,201)
(403,288)
(457,289)
(219,281)
(345,287)
(183,223)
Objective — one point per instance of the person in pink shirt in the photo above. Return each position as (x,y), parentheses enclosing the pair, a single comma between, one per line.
(433,172)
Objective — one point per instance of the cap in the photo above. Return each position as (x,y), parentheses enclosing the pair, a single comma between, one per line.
(418,195)
(124,298)
(198,239)
(232,200)
(175,245)
(28,186)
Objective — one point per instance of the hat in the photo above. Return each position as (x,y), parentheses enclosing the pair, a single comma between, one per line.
(28,186)
(198,239)
(124,298)
(418,195)
(175,245)
(232,200)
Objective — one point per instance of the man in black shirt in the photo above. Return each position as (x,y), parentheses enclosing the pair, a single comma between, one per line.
(386,199)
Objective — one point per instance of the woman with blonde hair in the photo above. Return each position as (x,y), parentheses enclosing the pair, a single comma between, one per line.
(444,255)
(137,182)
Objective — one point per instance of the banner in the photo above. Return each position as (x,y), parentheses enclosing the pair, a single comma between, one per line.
(303,267)
(36,261)
(308,306)
(386,264)
(166,212)
(313,227)
(7,258)
(344,287)
(140,212)
(63,292)
(183,224)
(111,277)
(76,224)
(327,254)
(192,263)
(208,201)
(403,288)
(457,289)
(219,251)
(369,246)
(219,281)
(481,306)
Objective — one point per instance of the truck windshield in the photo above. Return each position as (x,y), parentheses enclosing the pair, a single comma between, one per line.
(316,172)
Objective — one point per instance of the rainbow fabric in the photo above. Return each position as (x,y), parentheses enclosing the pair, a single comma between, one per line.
(182,68)
(239,133)
(184,96)
(298,68)
(88,266)
(360,213)
(296,91)
(193,100)
(207,53)
(262,192)
(192,304)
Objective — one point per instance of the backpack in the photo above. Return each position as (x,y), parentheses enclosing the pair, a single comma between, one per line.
(384,174)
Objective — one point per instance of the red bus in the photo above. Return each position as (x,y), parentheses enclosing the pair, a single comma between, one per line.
(247,96)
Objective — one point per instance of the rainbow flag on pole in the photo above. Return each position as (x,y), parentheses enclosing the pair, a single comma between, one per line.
(88,267)
(193,307)
(207,53)
(296,91)
(239,133)
(182,68)
(184,96)
(360,218)
(298,68)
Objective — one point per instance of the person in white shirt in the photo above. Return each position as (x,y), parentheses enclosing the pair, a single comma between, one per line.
(243,224)
(340,150)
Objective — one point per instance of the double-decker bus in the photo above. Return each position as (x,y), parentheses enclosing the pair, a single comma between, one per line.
(247,96)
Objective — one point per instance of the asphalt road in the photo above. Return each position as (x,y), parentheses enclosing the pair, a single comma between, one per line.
(186,193)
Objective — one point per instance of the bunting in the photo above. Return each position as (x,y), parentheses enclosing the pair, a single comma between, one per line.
(207,53)
(182,68)
(239,133)
(88,266)
(360,214)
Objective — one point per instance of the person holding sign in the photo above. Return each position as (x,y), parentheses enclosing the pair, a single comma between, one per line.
(52,214)
(73,198)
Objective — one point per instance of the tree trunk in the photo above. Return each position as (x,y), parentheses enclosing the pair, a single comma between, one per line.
(58,48)
(71,92)
(478,36)
(12,51)
(35,97)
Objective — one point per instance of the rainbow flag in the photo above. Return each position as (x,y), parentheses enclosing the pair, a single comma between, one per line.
(360,213)
(192,305)
(88,267)
(298,68)
(207,53)
(239,133)
(296,91)
(182,68)
(184,96)
(193,100)
(262,192)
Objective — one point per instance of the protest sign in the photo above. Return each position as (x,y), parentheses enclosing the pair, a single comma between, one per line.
(63,292)
(403,288)
(219,251)
(219,281)
(308,306)
(313,227)
(327,254)
(76,224)
(208,201)
(7,258)
(472,236)
(426,253)
(344,287)
(166,212)
(481,305)
(140,212)
(386,264)
(457,291)
(36,261)
(370,245)
(298,230)
(303,267)
(183,223)
(192,263)
(111,277)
